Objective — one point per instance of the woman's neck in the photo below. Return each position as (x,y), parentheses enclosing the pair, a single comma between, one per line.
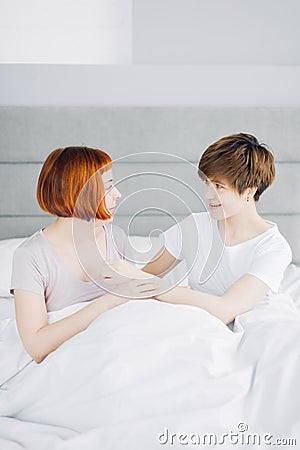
(241,227)
(66,230)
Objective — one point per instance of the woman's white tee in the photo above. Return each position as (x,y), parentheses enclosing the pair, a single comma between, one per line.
(213,267)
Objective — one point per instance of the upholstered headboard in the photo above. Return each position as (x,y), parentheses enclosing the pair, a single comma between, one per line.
(28,134)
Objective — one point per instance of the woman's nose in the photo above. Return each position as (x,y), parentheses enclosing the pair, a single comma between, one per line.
(117,194)
(209,191)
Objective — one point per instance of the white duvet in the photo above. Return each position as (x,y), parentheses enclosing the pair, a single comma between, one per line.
(147,369)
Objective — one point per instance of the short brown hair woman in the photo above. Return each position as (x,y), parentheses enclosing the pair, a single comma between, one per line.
(236,170)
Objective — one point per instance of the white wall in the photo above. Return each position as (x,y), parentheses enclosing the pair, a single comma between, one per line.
(206,32)
(66,31)
(230,32)
(150,52)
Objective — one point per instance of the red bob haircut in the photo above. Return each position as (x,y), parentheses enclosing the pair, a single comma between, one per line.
(70,183)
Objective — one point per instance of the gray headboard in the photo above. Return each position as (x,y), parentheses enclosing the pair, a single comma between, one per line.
(28,134)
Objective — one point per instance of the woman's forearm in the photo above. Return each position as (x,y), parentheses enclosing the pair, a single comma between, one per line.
(213,304)
(50,337)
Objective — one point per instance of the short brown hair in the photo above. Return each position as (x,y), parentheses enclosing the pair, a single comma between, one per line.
(241,161)
(63,177)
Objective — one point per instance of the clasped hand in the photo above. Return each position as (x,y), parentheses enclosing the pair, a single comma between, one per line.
(126,280)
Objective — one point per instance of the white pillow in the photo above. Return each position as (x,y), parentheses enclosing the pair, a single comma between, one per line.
(7,248)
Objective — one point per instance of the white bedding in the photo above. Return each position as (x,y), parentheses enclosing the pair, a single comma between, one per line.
(148,366)
(6,307)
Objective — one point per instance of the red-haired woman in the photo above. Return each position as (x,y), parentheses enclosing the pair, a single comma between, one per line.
(252,255)
(76,186)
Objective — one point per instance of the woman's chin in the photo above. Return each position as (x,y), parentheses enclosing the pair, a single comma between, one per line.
(214,213)
(217,214)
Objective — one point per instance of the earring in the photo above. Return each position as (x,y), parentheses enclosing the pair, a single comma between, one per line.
(247,199)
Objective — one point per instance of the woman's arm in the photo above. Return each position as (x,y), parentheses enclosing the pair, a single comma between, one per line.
(39,337)
(161,264)
(243,295)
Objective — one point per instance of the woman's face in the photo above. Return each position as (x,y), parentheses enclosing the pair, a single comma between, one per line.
(223,201)
(111,192)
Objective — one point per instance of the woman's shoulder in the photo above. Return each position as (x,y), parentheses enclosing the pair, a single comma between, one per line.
(273,233)
(30,246)
(272,240)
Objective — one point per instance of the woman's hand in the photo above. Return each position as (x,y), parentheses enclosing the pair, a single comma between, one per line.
(132,289)
(141,289)
(119,271)
(123,279)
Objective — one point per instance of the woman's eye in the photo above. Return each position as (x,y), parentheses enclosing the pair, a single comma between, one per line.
(218,186)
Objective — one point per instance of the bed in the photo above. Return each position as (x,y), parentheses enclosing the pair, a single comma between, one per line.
(150,374)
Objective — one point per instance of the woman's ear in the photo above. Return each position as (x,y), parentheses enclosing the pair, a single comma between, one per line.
(250,192)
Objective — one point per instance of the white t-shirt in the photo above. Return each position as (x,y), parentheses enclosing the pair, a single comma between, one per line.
(213,267)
